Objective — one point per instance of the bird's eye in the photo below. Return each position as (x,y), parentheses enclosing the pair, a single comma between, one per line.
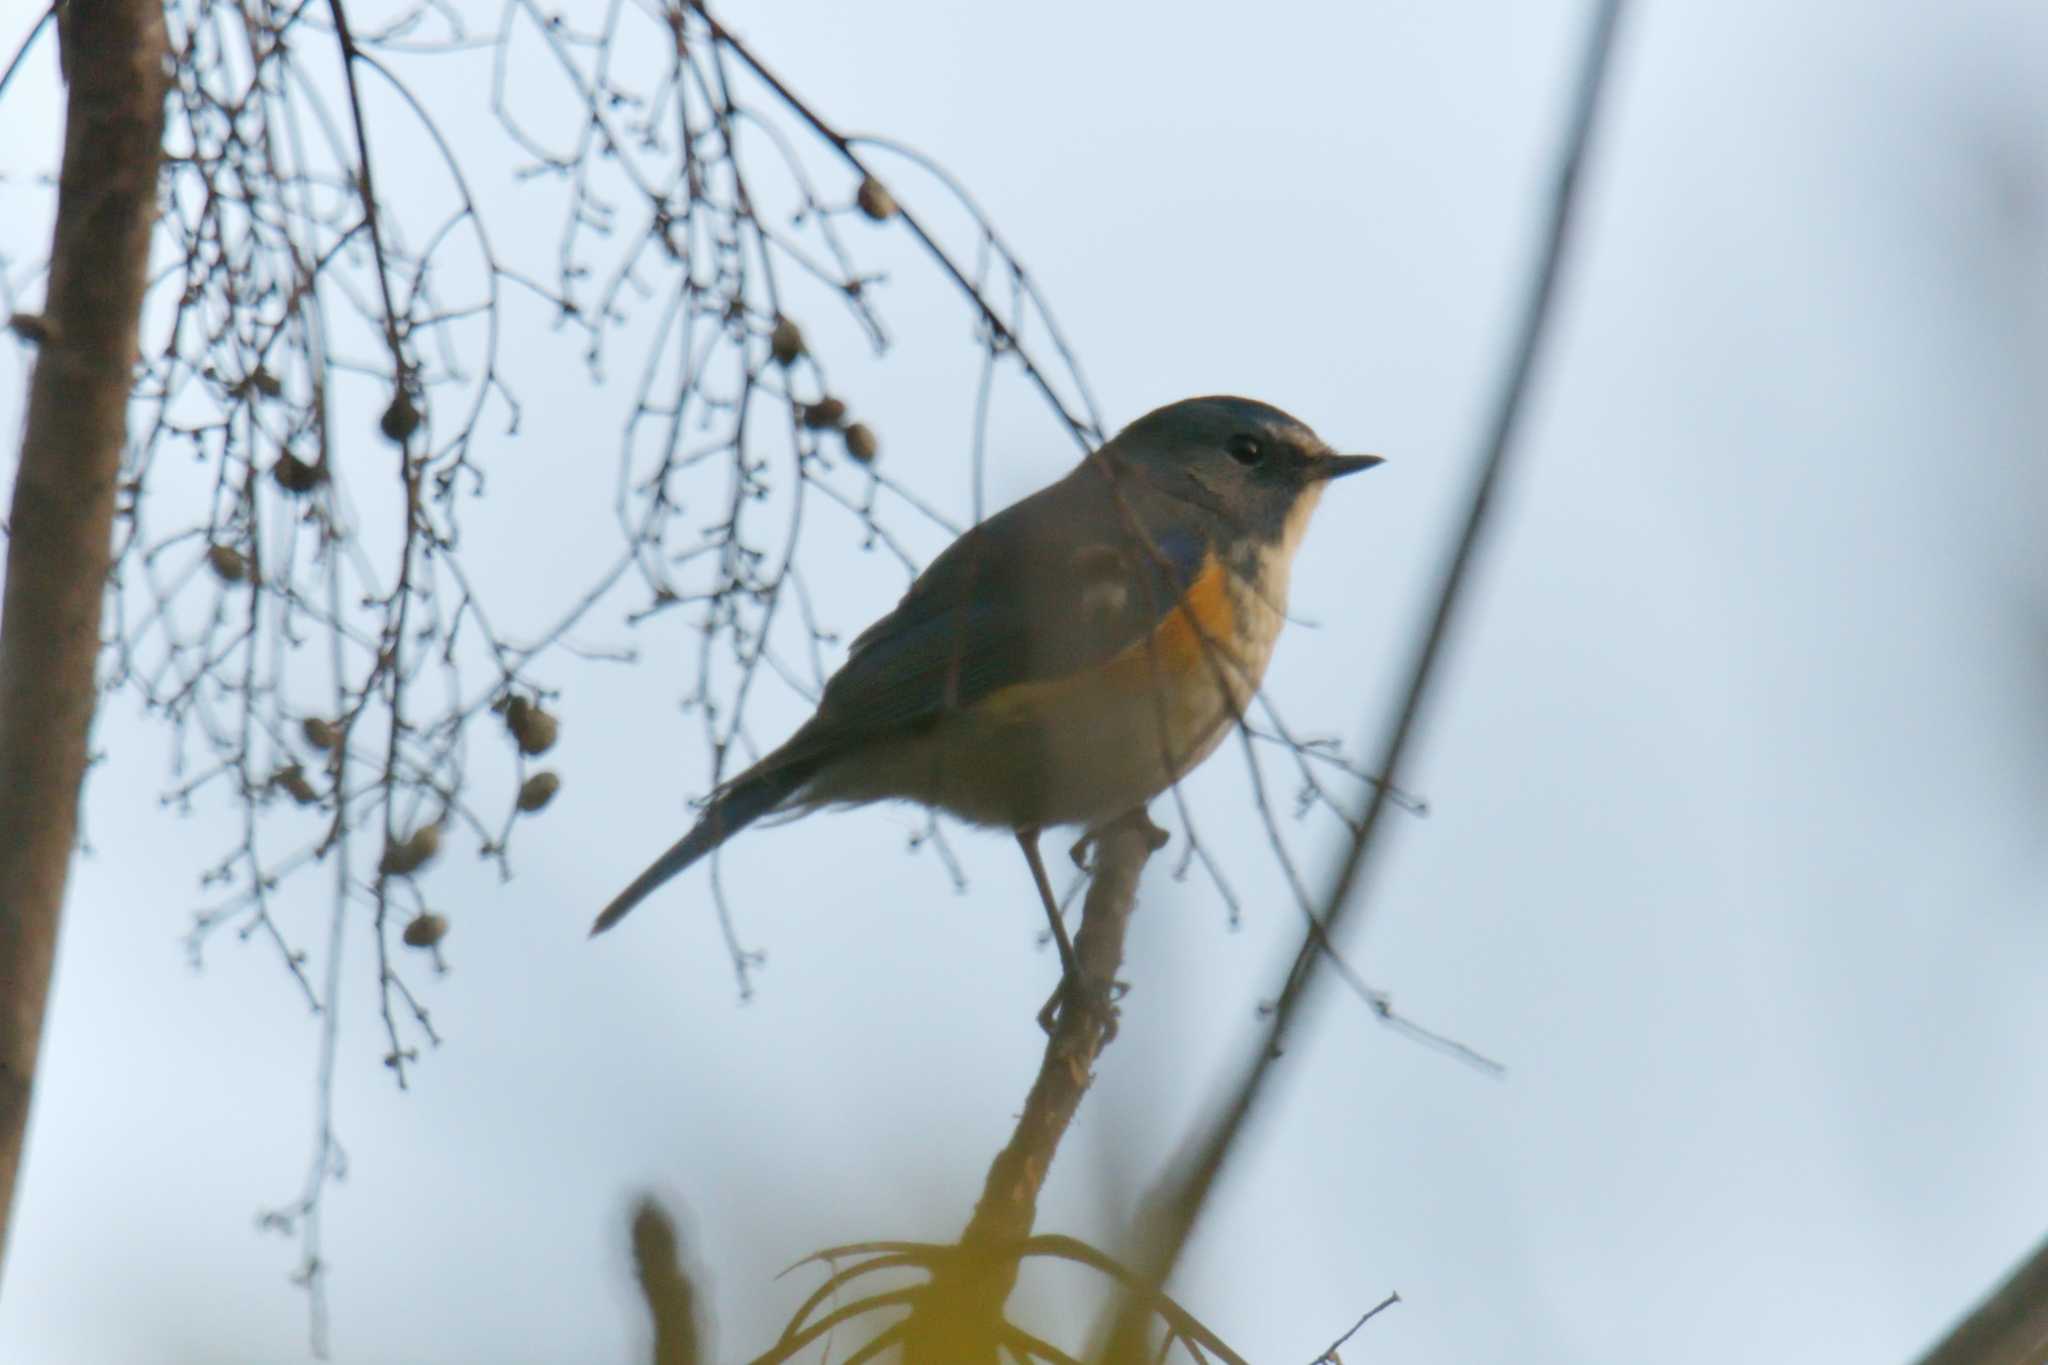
(1246,449)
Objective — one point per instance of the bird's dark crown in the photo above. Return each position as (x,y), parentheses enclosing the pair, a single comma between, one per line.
(1212,421)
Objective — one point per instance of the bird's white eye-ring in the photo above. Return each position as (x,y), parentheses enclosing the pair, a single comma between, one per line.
(1245,449)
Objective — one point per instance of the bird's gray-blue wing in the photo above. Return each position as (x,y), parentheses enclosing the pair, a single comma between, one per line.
(1049,587)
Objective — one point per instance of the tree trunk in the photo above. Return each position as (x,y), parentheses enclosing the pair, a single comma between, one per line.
(61,527)
(2010,1327)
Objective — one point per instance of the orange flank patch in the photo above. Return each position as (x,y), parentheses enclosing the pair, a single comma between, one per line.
(1179,646)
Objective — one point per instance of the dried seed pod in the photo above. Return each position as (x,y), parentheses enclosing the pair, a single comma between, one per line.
(425,930)
(826,412)
(321,734)
(861,443)
(533,728)
(409,855)
(786,342)
(537,734)
(293,779)
(400,420)
(875,200)
(294,475)
(227,562)
(538,790)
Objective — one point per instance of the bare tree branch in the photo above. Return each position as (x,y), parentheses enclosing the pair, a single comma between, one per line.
(708,218)
(60,527)
(2010,1327)
(1173,1216)
(969,1293)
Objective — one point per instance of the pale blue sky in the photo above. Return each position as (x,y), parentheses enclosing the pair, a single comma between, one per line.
(1737,767)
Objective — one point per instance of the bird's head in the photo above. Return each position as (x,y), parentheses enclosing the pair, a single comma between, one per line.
(1242,459)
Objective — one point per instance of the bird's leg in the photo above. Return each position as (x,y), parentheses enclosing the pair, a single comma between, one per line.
(1136,818)
(1070,968)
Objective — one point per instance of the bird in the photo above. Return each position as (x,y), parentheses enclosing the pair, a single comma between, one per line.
(1069,658)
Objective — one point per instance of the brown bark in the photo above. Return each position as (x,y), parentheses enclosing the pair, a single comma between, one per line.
(2010,1327)
(961,1313)
(60,528)
(1009,1200)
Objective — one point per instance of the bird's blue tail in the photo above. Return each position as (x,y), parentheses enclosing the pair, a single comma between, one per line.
(749,797)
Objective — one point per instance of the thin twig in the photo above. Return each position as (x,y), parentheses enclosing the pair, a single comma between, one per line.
(369,189)
(1330,1353)
(27,42)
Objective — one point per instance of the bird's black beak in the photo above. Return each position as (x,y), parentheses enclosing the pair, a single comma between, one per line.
(1337,466)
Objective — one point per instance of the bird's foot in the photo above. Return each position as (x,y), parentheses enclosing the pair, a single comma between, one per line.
(1136,818)
(1075,991)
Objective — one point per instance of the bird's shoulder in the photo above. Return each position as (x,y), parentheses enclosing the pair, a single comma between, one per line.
(1058,582)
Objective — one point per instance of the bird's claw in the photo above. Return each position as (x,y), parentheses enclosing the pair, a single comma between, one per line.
(1075,990)
(1136,819)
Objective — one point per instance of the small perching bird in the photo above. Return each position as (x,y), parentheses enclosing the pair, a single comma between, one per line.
(1071,657)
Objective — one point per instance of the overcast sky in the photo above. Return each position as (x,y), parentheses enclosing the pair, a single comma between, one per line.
(1738,770)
